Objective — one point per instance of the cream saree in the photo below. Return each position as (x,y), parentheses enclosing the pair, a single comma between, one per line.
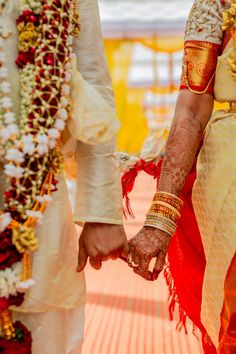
(214,198)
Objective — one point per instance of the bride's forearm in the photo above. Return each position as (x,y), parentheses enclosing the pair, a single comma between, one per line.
(191,116)
(180,152)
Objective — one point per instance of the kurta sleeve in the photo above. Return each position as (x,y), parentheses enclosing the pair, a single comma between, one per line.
(98,193)
(203,44)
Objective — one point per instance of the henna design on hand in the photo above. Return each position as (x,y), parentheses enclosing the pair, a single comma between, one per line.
(147,244)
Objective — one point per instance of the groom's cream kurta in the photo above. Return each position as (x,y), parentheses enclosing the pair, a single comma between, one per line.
(54,307)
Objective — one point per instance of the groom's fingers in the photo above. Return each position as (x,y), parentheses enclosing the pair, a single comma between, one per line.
(82,259)
(125,250)
(96,263)
(159,265)
(114,255)
(144,274)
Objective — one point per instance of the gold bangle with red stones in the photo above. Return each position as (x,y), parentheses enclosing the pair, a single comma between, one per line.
(164,212)
(164,207)
(169,197)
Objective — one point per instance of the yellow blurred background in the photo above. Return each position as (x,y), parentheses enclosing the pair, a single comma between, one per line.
(145,74)
(144,99)
(144,104)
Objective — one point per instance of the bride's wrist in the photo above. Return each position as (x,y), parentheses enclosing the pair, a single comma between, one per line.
(164,212)
(155,230)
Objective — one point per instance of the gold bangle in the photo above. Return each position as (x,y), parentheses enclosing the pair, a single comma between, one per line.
(174,196)
(166,205)
(170,198)
(174,218)
(160,219)
(162,208)
(168,201)
(162,212)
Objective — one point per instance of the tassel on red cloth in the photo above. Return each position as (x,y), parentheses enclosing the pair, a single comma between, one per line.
(185,273)
(128,180)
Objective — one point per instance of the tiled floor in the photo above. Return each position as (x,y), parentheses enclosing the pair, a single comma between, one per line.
(125,314)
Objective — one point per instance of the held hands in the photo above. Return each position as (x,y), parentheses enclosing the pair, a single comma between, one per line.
(149,243)
(154,238)
(100,242)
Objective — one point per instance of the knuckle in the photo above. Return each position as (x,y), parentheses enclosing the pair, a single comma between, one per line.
(99,249)
(101,252)
(93,254)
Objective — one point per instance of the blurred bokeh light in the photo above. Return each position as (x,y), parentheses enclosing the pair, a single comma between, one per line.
(144,43)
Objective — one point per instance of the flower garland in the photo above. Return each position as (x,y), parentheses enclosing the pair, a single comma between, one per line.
(229,23)
(29,150)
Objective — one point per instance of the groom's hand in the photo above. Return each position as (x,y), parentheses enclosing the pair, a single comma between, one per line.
(100,242)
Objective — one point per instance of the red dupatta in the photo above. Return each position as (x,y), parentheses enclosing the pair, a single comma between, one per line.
(186,259)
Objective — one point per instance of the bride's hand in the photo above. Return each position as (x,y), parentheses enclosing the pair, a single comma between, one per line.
(147,244)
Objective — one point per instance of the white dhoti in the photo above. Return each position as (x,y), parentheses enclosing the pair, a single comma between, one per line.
(54,308)
(55,332)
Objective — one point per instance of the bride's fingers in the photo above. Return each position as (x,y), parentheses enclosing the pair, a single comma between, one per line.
(159,265)
(133,258)
(144,274)
(96,263)
(143,268)
(136,259)
(144,263)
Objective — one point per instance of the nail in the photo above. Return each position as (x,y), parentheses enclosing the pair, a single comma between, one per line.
(155,276)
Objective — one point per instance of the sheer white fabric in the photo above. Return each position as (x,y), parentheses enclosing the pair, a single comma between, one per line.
(58,333)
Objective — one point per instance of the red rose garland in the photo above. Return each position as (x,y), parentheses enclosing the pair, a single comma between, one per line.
(29,152)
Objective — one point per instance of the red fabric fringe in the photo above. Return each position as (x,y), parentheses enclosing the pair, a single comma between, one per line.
(174,301)
(128,180)
(185,271)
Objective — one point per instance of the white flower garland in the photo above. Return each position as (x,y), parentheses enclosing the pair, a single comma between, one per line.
(33,5)
(5,220)
(31,142)
(10,280)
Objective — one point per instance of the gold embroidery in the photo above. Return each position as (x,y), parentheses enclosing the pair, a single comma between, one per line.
(199,66)
(229,17)
(229,24)
(75,21)
(203,23)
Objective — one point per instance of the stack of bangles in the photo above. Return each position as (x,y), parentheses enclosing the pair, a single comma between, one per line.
(164,212)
